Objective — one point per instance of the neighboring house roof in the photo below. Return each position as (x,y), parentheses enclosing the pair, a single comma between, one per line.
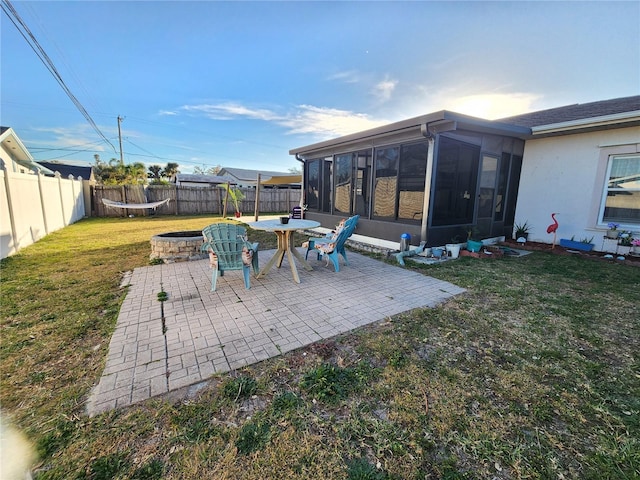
(86,172)
(12,144)
(251,175)
(197,178)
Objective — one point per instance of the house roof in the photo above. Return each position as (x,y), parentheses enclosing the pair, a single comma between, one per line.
(615,113)
(198,178)
(578,111)
(436,122)
(86,172)
(12,143)
(250,176)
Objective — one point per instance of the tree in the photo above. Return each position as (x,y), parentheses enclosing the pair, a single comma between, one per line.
(171,170)
(209,171)
(155,174)
(115,173)
(135,173)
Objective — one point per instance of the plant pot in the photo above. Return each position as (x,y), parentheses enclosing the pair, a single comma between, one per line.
(238,214)
(437,252)
(453,249)
(612,233)
(573,245)
(635,249)
(474,246)
(624,249)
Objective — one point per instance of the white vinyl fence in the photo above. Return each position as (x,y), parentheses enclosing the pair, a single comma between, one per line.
(32,206)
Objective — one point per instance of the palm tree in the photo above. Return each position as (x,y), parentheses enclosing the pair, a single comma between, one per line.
(155,173)
(171,170)
(135,173)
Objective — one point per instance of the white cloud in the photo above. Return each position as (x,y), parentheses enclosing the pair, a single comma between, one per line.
(167,113)
(303,119)
(328,121)
(77,136)
(348,76)
(384,89)
(230,110)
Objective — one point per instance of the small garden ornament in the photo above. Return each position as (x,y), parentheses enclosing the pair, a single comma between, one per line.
(552,229)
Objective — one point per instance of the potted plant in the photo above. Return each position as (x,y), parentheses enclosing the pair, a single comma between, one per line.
(522,231)
(624,242)
(473,243)
(635,246)
(453,248)
(584,245)
(613,230)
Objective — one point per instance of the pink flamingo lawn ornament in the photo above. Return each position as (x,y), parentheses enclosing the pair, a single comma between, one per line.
(552,229)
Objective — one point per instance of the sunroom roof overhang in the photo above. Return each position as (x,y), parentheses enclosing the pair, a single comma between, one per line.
(433,123)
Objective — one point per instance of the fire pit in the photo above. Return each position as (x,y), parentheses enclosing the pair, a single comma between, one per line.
(177,246)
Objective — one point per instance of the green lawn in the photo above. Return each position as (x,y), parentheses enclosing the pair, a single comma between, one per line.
(534,373)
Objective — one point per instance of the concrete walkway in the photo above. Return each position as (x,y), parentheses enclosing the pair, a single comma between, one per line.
(159,347)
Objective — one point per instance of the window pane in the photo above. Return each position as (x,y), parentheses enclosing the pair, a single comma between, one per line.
(622,203)
(386,182)
(313,184)
(327,185)
(363,178)
(625,172)
(413,166)
(343,169)
(502,187)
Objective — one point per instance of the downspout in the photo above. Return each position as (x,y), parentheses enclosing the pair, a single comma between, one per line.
(302,187)
(424,130)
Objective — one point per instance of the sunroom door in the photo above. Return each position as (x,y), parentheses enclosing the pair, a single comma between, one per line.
(487,195)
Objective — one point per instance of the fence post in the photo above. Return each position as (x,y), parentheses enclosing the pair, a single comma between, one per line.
(64,216)
(42,203)
(12,220)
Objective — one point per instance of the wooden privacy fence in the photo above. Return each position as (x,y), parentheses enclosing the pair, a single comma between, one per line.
(189,200)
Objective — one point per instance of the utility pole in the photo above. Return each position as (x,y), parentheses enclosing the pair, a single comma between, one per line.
(120,139)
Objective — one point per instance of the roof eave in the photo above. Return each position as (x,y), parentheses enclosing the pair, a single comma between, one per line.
(462,122)
(605,122)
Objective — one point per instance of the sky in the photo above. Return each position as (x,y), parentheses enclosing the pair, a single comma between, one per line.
(239,84)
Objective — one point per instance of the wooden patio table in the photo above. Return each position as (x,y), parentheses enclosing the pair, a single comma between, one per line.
(284,233)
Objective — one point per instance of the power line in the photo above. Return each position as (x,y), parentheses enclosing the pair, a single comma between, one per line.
(31,40)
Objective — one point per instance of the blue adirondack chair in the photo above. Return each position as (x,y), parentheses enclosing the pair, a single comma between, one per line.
(350,222)
(332,245)
(227,241)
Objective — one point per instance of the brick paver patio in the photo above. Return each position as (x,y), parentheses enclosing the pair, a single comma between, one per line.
(159,347)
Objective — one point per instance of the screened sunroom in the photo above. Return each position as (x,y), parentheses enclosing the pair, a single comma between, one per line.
(436,177)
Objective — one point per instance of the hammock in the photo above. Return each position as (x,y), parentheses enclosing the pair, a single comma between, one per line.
(154,205)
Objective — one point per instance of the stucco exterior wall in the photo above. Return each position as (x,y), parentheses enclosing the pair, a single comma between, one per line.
(566,175)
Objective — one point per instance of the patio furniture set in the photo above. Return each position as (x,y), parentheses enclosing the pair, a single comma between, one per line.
(229,248)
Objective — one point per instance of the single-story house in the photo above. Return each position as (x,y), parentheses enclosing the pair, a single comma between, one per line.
(248,178)
(441,175)
(14,156)
(66,169)
(198,180)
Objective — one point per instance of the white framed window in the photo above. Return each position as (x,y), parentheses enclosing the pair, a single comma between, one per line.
(621,195)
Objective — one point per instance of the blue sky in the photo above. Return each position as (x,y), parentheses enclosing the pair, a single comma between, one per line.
(239,84)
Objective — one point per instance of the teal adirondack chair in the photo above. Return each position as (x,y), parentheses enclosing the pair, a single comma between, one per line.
(227,241)
(332,245)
